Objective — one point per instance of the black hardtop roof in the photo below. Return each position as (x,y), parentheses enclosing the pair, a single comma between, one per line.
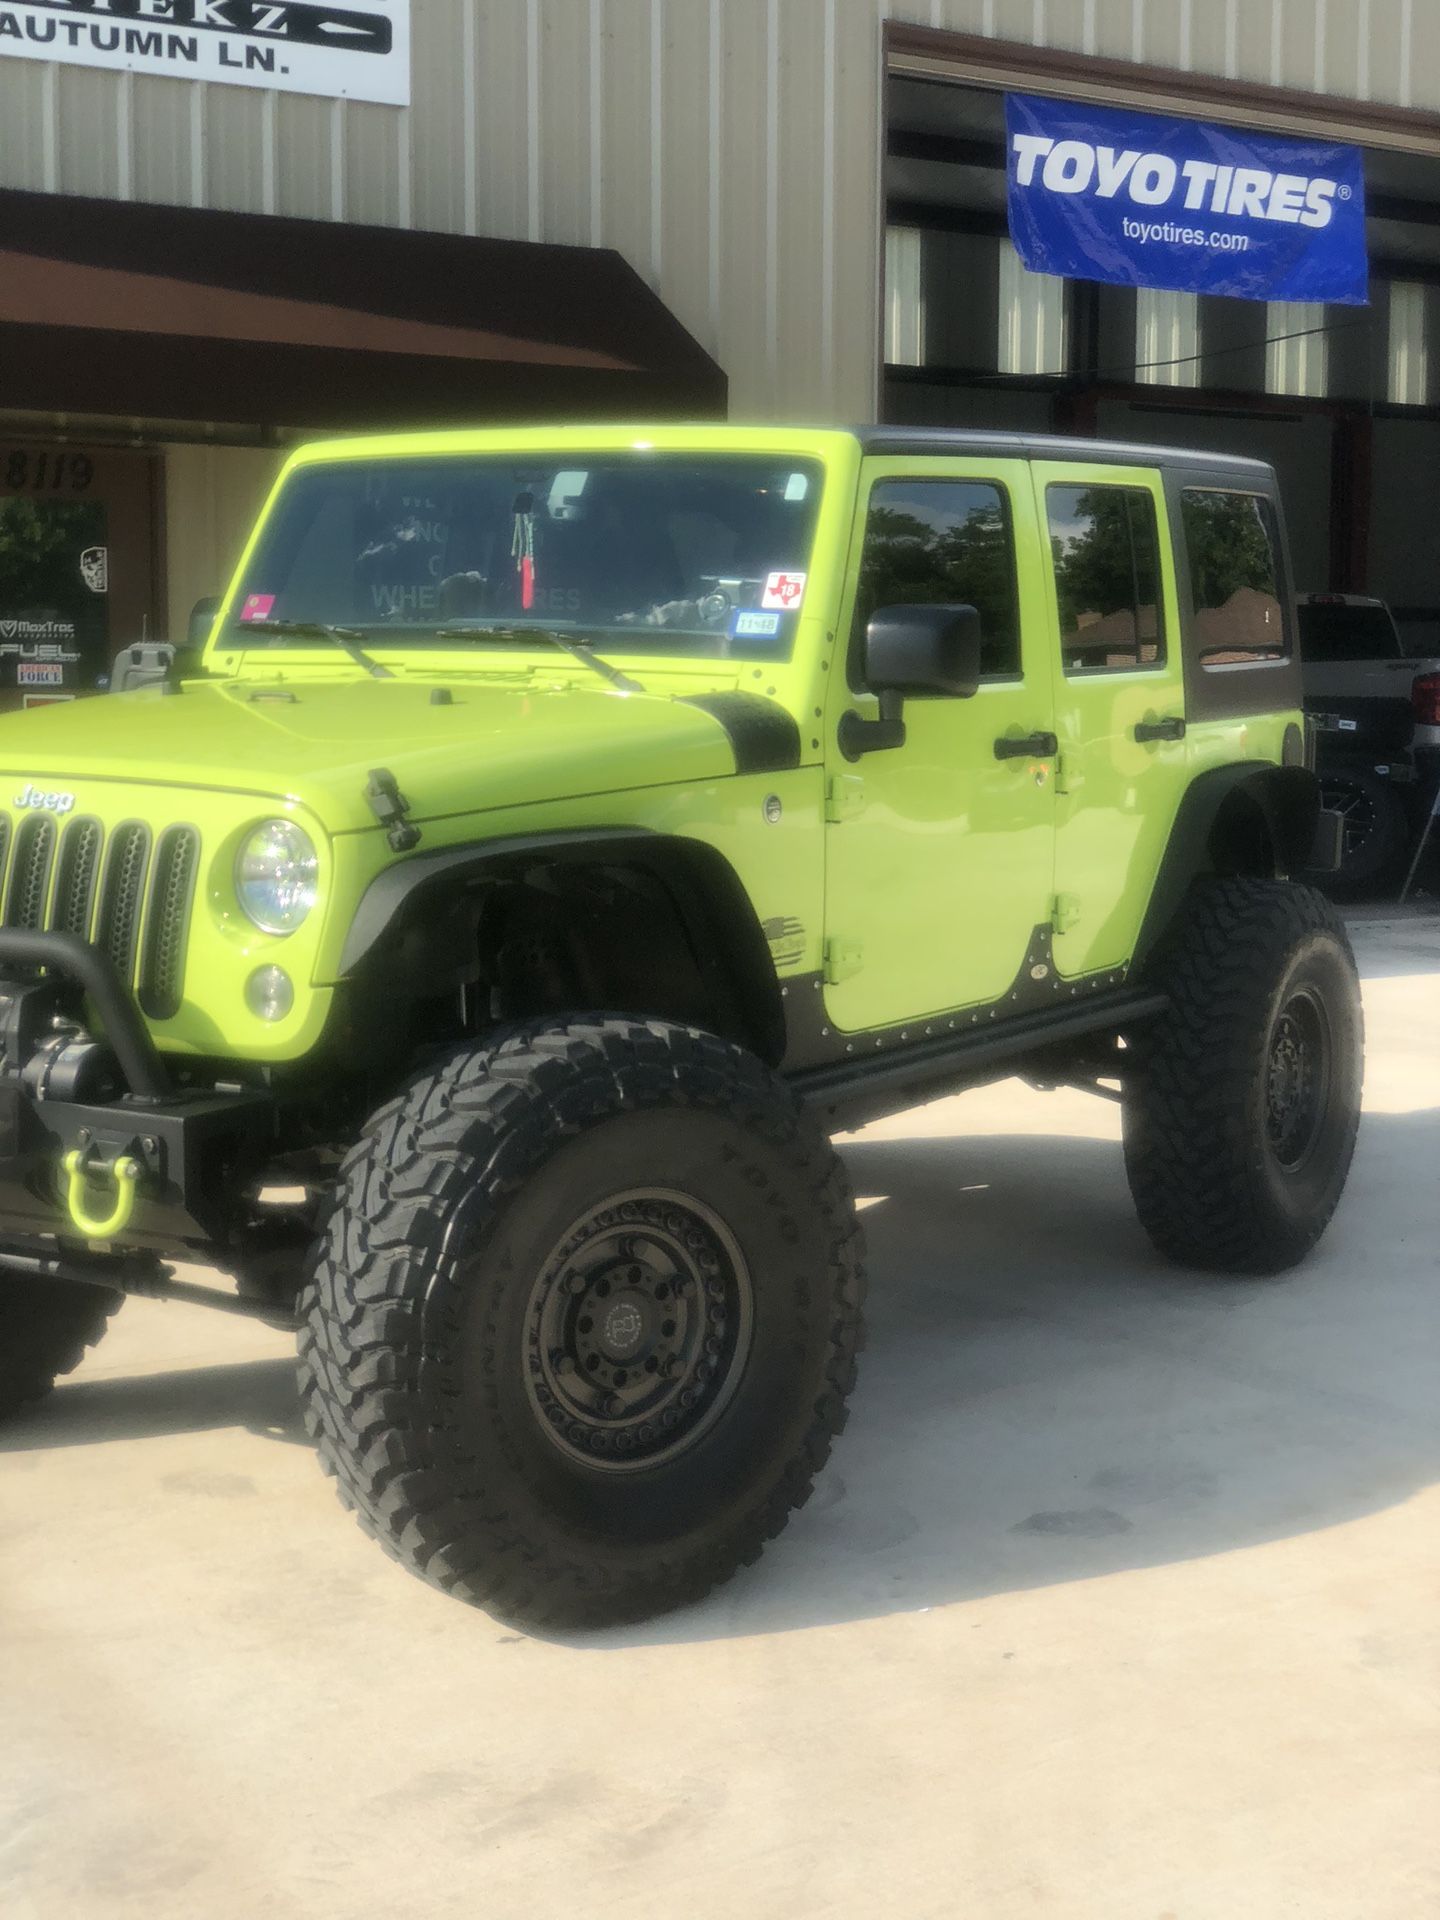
(972,442)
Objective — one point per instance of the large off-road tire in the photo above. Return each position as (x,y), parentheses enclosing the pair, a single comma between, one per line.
(583,1319)
(46,1326)
(1242,1102)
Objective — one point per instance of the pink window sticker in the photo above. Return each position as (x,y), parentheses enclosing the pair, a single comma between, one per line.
(257,606)
(783,590)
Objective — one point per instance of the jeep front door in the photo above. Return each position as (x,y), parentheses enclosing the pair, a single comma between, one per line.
(939,852)
(1119,703)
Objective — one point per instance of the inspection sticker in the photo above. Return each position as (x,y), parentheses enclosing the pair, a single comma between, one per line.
(748,625)
(783,590)
(257,606)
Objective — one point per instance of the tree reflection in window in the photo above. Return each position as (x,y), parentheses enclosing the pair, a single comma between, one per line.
(1234,581)
(944,543)
(1107,577)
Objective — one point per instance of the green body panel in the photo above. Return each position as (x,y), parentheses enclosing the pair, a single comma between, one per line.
(927,886)
(941,875)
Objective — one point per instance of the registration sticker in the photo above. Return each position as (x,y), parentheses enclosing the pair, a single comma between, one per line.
(257,606)
(783,590)
(749,625)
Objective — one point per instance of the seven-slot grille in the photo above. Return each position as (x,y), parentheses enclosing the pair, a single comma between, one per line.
(130,893)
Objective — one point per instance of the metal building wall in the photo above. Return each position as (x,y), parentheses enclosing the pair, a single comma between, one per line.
(729,148)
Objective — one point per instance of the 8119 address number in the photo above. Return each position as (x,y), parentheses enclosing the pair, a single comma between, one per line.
(47,471)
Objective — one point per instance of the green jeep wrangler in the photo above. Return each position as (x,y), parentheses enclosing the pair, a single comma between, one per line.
(561,834)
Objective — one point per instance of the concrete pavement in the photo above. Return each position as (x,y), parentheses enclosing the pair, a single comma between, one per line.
(1117,1601)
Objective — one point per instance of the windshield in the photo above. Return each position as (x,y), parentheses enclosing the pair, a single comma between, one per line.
(691,554)
(1336,632)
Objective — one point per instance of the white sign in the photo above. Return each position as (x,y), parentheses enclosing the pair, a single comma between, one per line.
(353,52)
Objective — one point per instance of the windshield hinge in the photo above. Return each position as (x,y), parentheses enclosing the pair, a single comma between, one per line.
(844,796)
(389,807)
(842,958)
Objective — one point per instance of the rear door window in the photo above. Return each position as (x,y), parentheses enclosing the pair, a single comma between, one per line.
(1234,577)
(1106,551)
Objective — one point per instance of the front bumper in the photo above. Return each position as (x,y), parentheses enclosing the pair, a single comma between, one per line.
(179,1159)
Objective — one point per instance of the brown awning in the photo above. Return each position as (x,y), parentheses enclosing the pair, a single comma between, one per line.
(109,307)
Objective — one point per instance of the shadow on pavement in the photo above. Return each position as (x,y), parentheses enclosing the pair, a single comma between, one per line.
(258,1395)
(1042,1399)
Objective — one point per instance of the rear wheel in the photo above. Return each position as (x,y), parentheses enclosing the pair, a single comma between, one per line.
(584,1318)
(46,1327)
(1243,1100)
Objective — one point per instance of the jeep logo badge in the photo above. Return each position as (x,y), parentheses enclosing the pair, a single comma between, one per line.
(31,797)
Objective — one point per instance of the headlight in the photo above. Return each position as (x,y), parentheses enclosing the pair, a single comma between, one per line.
(277,876)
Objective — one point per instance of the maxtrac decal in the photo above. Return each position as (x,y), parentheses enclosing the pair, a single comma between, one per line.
(1145,201)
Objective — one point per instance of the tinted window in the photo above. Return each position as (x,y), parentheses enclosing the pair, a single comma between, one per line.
(1234,577)
(1329,632)
(653,552)
(944,543)
(1107,577)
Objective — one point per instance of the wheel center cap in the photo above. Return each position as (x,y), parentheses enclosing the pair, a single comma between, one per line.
(622,1326)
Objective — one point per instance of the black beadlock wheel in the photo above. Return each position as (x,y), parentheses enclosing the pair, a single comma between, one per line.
(583,1319)
(46,1329)
(1242,1102)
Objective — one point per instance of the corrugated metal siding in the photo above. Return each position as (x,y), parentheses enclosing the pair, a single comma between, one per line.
(212,495)
(728,148)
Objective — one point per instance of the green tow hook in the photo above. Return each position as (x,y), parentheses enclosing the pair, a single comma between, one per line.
(126,1172)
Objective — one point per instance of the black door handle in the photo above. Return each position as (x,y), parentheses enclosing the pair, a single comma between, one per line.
(1030,746)
(1171,729)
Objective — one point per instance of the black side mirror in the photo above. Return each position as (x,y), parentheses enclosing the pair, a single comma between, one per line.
(202,618)
(922,650)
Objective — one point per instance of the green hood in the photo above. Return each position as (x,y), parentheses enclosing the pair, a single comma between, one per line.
(316,742)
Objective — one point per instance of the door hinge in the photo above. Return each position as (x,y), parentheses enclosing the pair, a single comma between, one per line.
(844,796)
(1067,774)
(842,958)
(1064,911)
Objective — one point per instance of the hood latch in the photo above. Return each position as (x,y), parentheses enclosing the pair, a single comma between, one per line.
(390,807)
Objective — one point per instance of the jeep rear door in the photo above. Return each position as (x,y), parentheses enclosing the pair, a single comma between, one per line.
(938,851)
(1114,631)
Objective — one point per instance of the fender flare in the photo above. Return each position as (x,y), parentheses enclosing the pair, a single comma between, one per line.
(708,895)
(1288,799)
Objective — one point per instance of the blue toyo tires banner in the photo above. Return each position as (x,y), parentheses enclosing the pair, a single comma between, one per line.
(1146,201)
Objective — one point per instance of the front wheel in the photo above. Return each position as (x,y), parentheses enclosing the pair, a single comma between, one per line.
(583,1320)
(1243,1100)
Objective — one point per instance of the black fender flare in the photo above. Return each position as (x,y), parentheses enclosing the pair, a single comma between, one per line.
(1288,799)
(708,895)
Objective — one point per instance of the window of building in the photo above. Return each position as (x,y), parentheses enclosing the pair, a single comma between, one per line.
(1409,345)
(1167,338)
(944,543)
(1033,330)
(1297,357)
(1234,577)
(904,298)
(1106,550)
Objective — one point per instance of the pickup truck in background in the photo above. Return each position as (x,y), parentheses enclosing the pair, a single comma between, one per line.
(1375,709)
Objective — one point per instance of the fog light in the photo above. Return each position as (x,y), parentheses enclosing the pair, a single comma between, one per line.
(270,993)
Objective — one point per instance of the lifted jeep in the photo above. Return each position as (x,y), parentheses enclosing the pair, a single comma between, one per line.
(562,832)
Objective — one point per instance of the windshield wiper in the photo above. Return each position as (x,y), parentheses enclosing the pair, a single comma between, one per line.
(346,638)
(585,654)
